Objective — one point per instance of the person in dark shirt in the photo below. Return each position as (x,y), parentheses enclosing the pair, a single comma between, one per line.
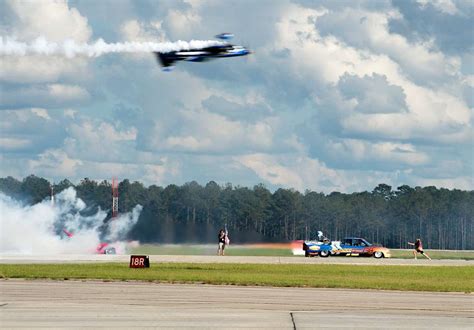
(418,248)
(221,239)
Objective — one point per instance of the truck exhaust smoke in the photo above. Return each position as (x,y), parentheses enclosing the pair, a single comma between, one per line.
(70,48)
(42,228)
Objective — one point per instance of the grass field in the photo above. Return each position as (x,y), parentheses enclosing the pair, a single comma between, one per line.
(237,250)
(252,250)
(412,278)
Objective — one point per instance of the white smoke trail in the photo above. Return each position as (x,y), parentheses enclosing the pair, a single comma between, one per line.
(38,229)
(69,48)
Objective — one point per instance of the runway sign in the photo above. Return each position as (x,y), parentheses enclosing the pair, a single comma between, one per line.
(139,262)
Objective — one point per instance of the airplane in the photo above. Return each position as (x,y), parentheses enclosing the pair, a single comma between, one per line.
(225,49)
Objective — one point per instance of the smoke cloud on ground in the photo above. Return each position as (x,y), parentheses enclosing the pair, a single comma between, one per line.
(38,229)
(70,48)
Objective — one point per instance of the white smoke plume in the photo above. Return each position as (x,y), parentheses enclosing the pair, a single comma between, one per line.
(70,48)
(38,229)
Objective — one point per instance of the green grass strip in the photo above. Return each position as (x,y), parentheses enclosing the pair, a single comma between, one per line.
(411,278)
(241,250)
(208,250)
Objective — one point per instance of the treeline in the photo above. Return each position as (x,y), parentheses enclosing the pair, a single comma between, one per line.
(193,213)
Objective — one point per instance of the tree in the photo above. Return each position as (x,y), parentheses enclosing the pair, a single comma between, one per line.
(35,189)
(443,218)
(10,186)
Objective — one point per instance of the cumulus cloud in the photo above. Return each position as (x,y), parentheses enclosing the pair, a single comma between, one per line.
(444,6)
(14,143)
(139,31)
(447,32)
(270,171)
(98,140)
(54,20)
(302,172)
(338,96)
(183,22)
(38,69)
(427,108)
(29,131)
(370,30)
(212,133)
(385,153)
(373,94)
(55,163)
(237,111)
(43,95)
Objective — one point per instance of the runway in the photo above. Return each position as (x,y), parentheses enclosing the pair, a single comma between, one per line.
(73,258)
(70,304)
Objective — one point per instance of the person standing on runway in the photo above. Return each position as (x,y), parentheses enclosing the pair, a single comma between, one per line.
(418,248)
(221,238)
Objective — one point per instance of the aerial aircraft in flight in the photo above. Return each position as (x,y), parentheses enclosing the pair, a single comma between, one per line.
(168,59)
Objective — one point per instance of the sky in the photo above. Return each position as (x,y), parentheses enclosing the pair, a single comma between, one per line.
(337,96)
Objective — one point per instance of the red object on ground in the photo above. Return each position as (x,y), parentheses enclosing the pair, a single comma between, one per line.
(67,233)
(101,248)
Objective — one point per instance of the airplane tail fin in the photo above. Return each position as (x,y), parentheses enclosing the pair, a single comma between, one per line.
(166,60)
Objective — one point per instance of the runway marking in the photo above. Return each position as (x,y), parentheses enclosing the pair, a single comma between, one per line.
(293,321)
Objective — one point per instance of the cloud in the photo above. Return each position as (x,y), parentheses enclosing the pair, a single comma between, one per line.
(386,152)
(43,95)
(338,95)
(38,69)
(97,140)
(373,94)
(36,19)
(29,131)
(14,143)
(444,6)
(449,32)
(425,109)
(460,182)
(139,31)
(53,20)
(250,111)
(270,171)
(301,172)
(182,23)
(206,132)
(55,163)
(364,29)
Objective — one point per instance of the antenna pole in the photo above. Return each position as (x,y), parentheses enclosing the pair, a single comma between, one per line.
(114,198)
(51,188)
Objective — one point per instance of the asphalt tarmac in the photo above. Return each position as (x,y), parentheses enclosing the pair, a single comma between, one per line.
(74,304)
(73,258)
